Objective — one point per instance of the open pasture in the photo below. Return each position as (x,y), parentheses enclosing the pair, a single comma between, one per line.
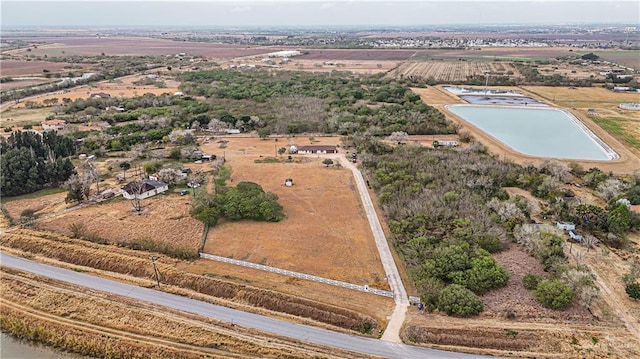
(452,71)
(314,238)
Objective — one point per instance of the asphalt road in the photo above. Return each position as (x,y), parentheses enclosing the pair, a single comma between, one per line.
(278,327)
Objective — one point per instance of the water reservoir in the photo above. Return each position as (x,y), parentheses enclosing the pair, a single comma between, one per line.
(540,132)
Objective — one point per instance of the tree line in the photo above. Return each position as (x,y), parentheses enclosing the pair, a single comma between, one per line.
(31,161)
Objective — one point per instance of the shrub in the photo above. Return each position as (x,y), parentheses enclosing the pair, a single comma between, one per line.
(633,290)
(530,281)
(553,294)
(429,289)
(489,243)
(485,274)
(459,301)
(77,229)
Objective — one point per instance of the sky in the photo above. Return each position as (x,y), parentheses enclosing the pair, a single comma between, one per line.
(241,13)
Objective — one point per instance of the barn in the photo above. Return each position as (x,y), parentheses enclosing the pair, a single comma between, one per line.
(317,149)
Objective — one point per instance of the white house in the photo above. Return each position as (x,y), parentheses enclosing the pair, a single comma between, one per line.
(143,189)
(53,125)
(566,226)
(575,236)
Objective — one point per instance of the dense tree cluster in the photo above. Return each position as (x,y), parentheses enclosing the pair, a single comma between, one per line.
(436,204)
(245,201)
(31,161)
(295,102)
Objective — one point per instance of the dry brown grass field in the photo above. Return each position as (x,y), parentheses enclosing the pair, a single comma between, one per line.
(325,231)
(164,218)
(41,205)
(453,71)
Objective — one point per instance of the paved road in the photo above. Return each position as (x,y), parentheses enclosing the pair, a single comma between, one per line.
(392,332)
(275,326)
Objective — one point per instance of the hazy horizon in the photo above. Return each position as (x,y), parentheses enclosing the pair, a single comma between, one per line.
(314,13)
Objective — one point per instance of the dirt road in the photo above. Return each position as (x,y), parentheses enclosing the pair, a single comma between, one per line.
(392,333)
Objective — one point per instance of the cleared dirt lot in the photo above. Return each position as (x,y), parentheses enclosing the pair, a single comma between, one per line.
(314,238)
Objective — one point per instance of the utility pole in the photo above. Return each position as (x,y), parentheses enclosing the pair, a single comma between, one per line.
(155,269)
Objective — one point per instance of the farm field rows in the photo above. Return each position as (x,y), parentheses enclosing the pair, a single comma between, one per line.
(452,71)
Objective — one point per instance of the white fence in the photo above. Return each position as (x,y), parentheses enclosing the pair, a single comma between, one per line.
(313,278)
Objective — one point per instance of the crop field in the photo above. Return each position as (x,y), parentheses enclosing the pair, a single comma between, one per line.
(164,219)
(629,58)
(452,71)
(314,238)
(357,54)
(33,68)
(111,46)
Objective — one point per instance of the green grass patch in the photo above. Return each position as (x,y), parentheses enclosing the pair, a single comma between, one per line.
(24,116)
(44,192)
(618,128)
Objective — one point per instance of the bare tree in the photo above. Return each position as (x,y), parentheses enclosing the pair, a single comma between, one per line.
(559,170)
(89,175)
(137,189)
(589,241)
(399,137)
(610,188)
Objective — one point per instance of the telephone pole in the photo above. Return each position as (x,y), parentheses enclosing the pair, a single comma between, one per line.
(155,269)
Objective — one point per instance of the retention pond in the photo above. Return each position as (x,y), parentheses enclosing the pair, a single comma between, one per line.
(540,132)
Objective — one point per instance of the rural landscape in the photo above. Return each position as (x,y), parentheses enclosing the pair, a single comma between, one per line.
(320,193)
